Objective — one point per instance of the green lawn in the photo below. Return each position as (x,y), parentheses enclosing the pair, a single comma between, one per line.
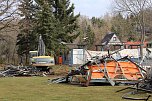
(38,89)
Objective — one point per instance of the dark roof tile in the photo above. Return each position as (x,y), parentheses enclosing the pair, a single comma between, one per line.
(107,38)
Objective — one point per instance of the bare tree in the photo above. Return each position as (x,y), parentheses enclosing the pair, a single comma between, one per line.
(6,46)
(8,28)
(137,8)
(7,12)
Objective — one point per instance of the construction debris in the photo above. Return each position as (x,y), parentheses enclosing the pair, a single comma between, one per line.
(11,71)
(143,85)
(106,70)
(125,96)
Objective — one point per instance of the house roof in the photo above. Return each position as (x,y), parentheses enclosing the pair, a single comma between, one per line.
(134,43)
(107,38)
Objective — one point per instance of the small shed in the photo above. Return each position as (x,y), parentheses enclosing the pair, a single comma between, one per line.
(110,41)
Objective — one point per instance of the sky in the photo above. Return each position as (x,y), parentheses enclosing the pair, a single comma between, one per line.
(92,8)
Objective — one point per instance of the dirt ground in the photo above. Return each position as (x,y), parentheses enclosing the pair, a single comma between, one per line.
(2,66)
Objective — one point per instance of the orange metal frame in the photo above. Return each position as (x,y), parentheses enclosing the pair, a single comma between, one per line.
(116,70)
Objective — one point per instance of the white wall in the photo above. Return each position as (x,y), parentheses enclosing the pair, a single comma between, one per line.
(80,56)
(77,56)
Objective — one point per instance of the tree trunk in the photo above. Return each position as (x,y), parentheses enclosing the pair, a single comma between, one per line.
(26,59)
(142,24)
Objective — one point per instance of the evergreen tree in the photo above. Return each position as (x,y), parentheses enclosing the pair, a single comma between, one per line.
(56,23)
(47,25)
(26,39)
(64,13)
(53,19)
(97,22)
(124,27)
(89,37)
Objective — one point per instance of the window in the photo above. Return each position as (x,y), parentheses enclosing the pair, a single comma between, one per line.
(114,39)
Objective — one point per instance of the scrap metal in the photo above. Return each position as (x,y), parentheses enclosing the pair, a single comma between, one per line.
(107,70)
(142,85)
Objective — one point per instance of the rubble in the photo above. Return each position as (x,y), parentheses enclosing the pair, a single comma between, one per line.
(144,85)
(11,71)
(105,70)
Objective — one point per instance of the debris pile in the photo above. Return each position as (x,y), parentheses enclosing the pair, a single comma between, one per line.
(105,70)
(144,85)
(11,70)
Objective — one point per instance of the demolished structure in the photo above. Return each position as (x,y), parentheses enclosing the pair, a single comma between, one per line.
(105,69)
(144,85)
(15,71)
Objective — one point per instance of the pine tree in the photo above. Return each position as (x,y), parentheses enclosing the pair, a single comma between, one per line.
(97,22)
(89,37)
(56,23)
(124,27)
(47,25)
(64,13)
(26,39)
(53,19)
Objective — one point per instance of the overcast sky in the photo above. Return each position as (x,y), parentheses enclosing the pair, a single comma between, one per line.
(92,8)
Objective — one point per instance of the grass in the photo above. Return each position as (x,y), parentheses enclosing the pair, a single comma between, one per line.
(38,89)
